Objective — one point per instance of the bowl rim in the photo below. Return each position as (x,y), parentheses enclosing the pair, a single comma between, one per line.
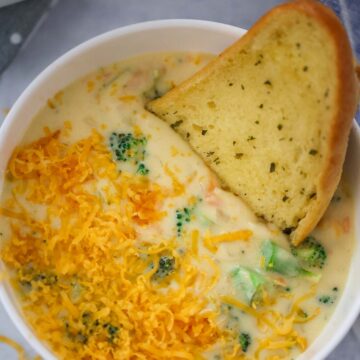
(94,41)
(10,308)
(20,323)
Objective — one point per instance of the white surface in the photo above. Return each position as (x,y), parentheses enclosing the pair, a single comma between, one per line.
(75,21)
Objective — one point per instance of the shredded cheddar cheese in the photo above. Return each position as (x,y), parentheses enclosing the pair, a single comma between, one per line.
(281,328)
(231,236)
(87,278)
(127,98)
(17,347)
(211,242)
(90,85)
(178,187)
(195,242)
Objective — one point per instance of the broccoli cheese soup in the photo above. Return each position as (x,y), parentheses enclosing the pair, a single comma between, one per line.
(121,244)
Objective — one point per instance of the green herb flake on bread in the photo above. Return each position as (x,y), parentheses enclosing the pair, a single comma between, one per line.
(271,115)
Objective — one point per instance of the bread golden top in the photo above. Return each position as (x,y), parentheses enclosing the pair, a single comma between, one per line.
(271,115)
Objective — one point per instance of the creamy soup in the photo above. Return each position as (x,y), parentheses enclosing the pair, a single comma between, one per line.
(121,243)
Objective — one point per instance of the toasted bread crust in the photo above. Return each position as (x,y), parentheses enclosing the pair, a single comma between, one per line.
(346,101)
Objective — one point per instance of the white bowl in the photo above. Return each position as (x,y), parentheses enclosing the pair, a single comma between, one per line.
(165,35)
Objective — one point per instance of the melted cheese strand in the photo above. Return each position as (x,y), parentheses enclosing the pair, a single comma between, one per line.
(231,236)
(17,347)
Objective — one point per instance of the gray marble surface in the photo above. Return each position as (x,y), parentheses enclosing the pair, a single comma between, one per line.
(70,22)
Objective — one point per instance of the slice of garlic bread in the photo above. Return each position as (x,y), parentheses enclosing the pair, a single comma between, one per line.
(271,115)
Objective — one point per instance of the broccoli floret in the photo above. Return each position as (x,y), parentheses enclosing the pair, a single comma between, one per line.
(81,338)
(311,252)
(142,169)
(302,313)
(245,341)
(112,332)
(283,262)
(326,299)
(254,284)
(126,146)
(158,87)
(250,282)
(183,216)
(47,279)
(131,149)
(86,318)
(152,92)
(165,268)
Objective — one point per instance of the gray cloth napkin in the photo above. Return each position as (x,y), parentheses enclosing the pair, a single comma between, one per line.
(16,24)
(349,12)
(18,21)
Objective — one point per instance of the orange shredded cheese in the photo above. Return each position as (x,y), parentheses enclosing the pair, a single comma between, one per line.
(59,96)
(178,187)
(89,282)
(210,242)
(245,308)
(90,85)
(195,242)
(51,104)
(282,335)
(127,98)
(85,276)
(12,214)
(174,151)
(232,236)
(17,347)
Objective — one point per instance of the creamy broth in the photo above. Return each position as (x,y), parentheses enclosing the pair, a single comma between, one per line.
(209,229)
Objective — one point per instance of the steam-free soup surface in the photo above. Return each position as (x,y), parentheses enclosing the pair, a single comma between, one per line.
(122,245)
